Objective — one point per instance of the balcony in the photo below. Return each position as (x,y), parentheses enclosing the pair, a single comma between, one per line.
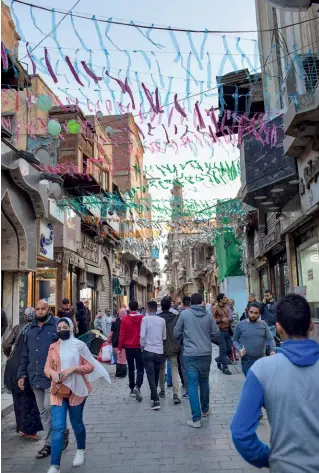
(269,178)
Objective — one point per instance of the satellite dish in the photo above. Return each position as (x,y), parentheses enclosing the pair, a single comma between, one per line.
(292,5)
(99,115)
(109,130)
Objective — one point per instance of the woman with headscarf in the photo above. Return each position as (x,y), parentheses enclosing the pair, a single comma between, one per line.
(81,318)
(114,336)
(71,367)
(25,407)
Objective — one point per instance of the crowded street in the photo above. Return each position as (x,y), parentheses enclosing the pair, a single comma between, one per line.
(125,436)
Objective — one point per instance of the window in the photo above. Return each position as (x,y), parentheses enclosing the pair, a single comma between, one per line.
(311,68)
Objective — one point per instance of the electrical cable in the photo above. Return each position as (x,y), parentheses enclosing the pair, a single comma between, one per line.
(183,30)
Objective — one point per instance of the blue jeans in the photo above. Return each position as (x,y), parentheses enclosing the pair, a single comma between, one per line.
(197,373)
(59,414)
(247,363)
(169,380)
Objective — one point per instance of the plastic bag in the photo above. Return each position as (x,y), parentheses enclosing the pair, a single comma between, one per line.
(105,355)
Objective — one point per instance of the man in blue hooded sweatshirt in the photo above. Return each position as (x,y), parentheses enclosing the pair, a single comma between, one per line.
(287,385)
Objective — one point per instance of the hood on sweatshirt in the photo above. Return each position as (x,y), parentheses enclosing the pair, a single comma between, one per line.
(198,310)
(168,315)
(301,352)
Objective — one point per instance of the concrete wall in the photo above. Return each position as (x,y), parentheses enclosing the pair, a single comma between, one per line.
(235,288)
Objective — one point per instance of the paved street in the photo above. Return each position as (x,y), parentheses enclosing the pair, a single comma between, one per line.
(126,436)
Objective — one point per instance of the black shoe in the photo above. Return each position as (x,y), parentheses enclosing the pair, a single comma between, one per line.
(176,399)
(226,371)
(219,365)
(162,394)
(185,395)
(132,393)
(138,394)
(156,406)
(66,439)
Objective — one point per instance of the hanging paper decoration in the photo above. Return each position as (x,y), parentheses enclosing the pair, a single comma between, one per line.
(54,128)
(44,102)
(73,127)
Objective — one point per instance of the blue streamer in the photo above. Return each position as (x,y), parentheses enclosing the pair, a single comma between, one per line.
(201,91)
(129,64)
(148,32)
(102,46)
(209,73)
(33,20)
(119,76)
(236,96)
(175,43)
(229,54)
(168,94)
(77,34)
(140,91)
(54,35)
(244,56)
(100,95)
(153,80)
(39,64)
(145,56)
(71,96)
(113,99)
(256,55)
(17,22)
(159,71)
(188,68)
(202,48)
(107,29)
(194,51)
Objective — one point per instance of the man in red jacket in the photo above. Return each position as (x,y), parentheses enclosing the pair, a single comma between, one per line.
(130,340)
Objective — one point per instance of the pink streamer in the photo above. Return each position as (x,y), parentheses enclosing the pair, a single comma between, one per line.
(149,98)
(74,73)
(90,73)
(178,107)
(49,67)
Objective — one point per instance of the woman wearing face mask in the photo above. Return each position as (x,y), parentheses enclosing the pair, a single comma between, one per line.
(71,367)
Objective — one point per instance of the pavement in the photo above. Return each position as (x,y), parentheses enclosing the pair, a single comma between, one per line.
(126,436)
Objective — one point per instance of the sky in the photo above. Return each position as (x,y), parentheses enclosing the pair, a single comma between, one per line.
(126,44)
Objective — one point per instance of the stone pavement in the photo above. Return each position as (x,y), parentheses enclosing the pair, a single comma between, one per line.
(124,436)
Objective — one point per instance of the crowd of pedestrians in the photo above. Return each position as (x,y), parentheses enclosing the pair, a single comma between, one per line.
(49,370)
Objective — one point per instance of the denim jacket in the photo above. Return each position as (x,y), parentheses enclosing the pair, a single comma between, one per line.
(37,341)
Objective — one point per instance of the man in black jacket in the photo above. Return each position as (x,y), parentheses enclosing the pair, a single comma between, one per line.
(268,311)
(41,334)
(171,350)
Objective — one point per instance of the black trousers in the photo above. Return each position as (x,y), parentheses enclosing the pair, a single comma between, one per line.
(135,361)
(225,347)
(152,364)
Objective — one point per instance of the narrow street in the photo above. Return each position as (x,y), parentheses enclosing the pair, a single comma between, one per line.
(126,436)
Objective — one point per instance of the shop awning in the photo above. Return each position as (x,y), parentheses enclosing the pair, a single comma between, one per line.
(94,270)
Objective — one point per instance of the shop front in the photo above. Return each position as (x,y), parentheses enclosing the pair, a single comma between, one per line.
(105,295)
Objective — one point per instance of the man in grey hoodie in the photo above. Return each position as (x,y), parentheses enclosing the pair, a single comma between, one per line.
(287,385)
(198,329)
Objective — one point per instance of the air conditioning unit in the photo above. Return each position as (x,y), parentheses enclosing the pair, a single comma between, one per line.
(292,5)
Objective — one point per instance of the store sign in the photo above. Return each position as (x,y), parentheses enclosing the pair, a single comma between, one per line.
(89,250)
(45,240)
(308,168)
(310,274)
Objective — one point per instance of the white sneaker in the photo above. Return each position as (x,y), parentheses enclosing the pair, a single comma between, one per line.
(79,458)
(54,469)
(196,424)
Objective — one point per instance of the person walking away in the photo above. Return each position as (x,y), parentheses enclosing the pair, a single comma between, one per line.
(113,338)
(186,303)
(88,313)
(70,366)
(171,350)
(268,312)
(153,333)
(28,421)
(287,385)
(81,318)
(225,346)
(67,311)
(250,337)
(37,340)
(130,332)
(198,330)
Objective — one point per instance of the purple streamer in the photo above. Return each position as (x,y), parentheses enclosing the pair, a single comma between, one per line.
(90,73)
(76,77)
(34,67)
(49,67)
(178,107)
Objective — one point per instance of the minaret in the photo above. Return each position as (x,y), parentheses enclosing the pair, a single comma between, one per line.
(177,203)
